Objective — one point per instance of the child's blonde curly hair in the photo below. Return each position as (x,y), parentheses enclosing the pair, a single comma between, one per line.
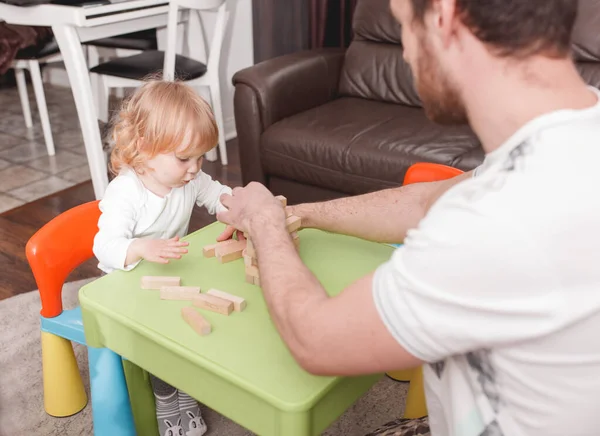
(156,119)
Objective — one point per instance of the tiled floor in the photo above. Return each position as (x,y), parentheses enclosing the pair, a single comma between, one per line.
(26,171)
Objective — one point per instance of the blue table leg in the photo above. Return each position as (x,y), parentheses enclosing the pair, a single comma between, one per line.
(111,409)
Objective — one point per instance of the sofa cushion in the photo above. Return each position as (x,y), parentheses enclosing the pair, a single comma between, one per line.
(586,41)
(586,37)
(355,145)
(590,71)
(374,67)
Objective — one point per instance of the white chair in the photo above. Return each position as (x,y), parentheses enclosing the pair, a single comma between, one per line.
(30,59)
(129,44)
(128,72)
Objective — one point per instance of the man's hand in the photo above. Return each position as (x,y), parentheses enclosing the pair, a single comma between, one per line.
(228,234)
(156,250)
(249,205)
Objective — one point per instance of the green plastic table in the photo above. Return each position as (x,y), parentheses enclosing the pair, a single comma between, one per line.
(243,369)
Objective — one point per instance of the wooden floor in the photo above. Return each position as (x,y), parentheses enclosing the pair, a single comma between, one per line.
(18,225)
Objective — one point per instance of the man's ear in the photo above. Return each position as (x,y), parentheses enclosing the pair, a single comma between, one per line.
(442,20)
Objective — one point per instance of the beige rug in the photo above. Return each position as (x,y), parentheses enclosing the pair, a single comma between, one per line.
(21,402)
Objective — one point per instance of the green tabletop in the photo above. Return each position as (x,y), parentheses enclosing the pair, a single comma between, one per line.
(242,369)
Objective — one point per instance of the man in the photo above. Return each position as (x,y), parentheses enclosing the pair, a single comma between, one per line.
(496,289)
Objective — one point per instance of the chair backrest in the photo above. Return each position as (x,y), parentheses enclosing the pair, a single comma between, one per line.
(429,172)
(214,48)
(58,248)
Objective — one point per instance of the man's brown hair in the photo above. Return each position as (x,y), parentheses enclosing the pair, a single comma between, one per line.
(517,28)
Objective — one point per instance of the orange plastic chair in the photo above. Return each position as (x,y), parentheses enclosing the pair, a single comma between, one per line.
(58,248)
(429,172)
(415,399)
(53,252)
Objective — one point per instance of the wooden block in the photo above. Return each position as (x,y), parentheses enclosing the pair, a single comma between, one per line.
(212,303)
(179,292)
(210,250)
(196,321)
(252,280)
(293,223)
(157,282)
(294,235)
(230,257)
(252,270)
(239,303)
(230,252)
(250,248)
(229,246)
(288,212)
(282,199)
(252,274)
(248,260)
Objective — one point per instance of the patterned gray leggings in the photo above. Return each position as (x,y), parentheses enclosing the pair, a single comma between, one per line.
(404,427)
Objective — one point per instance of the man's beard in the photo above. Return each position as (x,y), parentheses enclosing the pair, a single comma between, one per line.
(440,98)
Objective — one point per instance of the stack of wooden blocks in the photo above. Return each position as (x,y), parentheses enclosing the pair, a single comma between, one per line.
(232,249)
(292,223)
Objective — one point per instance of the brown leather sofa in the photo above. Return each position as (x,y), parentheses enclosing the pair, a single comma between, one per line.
(321,124)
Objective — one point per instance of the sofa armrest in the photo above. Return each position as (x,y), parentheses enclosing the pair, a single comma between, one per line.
(293,83)
(275,89)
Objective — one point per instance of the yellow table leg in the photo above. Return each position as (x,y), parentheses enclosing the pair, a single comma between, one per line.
(64,394)
(415,399)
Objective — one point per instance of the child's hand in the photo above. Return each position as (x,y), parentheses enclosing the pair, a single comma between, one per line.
(156,250)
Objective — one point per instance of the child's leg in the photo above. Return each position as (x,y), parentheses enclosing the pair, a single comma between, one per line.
(191,419)
(167,407)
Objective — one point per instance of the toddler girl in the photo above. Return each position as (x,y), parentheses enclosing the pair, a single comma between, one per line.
(160,137)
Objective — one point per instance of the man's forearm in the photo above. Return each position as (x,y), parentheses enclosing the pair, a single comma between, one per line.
(382,216)
(289,288)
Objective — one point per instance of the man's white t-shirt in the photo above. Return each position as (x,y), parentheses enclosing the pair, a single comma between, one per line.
(498,288)
(130,211)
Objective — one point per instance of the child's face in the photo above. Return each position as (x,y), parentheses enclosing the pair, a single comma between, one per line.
(173,170)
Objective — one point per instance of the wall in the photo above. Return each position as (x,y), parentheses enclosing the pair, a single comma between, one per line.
(238,53)
(280,27)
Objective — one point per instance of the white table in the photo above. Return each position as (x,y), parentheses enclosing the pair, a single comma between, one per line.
(73,25)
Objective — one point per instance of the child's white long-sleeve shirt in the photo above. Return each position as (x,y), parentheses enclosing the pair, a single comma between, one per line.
(130,212)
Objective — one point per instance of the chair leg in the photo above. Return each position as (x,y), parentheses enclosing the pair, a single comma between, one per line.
(111,409)
(40,98)
(215,95)
(93,59)
(103,96)
(64,394)
(22,87)
(212,155)
(416,406)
